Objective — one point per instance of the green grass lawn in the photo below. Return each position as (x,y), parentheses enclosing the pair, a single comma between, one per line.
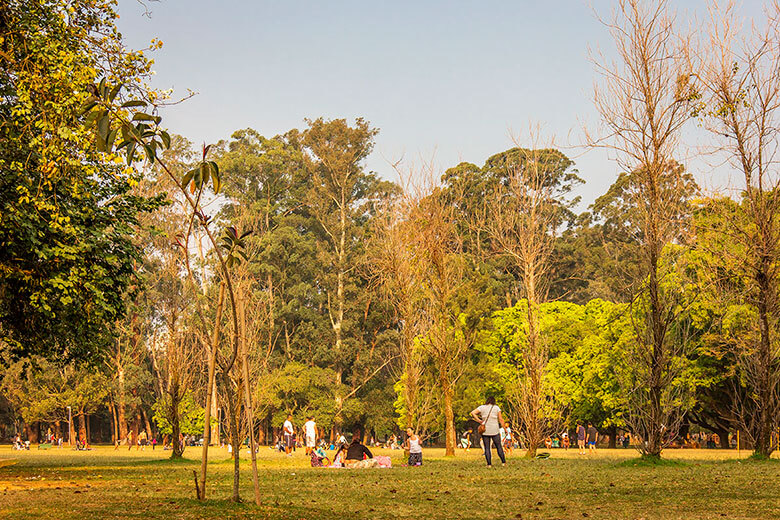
(105,483)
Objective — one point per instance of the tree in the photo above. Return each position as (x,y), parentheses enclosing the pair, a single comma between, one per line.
(67,213)
(741,106)
(340,199)
(189,416)
(525,216)
(442,274)
(395,268)
(644,101)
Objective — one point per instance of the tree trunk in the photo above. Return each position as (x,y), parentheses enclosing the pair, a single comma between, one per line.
(449,418)
(177,447)
(82,426)
(612,437)
(32,432)
(147,425)
(235,441)
(210,390)
(723,438)
(248,396)
(121,401)
(654,435)
(114,426)
(762,436)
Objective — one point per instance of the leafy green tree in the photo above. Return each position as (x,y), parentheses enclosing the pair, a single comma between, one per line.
(341,198)
(67,213)
(191,415)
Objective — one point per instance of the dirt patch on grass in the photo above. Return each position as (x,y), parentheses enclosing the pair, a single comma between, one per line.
(37,484)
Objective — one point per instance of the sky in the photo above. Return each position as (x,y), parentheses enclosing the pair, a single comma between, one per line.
(444,81)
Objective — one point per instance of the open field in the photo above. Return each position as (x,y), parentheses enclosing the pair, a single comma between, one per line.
(119,484)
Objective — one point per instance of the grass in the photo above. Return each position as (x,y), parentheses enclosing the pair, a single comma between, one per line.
(612,484)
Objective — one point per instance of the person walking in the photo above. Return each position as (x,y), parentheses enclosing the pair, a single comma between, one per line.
(288,431)
(490,418)
(310,434)
(593,438)
(581,437)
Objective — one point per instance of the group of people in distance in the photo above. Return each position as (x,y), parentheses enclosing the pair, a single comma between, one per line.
(494,432)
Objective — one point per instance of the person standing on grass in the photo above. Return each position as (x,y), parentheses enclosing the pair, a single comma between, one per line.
(288,432)
(489,416)
(593,437)
(508,439)
(581,437)
(310,434)
(415,449)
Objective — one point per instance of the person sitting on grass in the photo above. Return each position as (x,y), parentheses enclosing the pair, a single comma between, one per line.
(415,450)
(358,456)
(339,457)
(319,459)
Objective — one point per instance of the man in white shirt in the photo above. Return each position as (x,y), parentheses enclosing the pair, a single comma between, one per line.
(310,431)
(288,435)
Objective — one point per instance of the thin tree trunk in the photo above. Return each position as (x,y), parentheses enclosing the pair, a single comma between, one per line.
(120,372)
(210,391)
(248,395)
(235,442)
(449,417)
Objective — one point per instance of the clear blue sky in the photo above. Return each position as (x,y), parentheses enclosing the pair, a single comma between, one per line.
(450,78)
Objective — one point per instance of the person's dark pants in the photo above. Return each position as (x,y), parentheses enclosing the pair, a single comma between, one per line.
(499,449)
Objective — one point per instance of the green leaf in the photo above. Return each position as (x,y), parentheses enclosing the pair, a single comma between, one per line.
(114,92)
(131,153)
(216,180)
(127,132)
(134,103)
(86,107)
(140,116)
(102,126)
(110,139)
(188,177)
(150,155)
(166,139)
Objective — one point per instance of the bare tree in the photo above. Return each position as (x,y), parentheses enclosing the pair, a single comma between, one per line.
(393,267)
(441,267)
(741,106)
(644,101)
(526,212)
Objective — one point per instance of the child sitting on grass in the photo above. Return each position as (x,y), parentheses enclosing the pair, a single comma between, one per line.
(338,458)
